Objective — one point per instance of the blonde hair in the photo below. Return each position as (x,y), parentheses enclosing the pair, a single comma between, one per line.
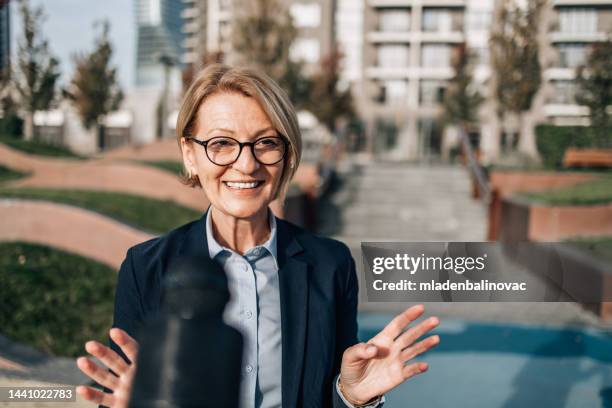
(218,78)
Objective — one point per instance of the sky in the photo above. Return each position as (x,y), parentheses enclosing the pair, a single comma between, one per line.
(69,27)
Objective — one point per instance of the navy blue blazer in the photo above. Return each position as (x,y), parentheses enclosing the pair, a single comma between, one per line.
(318,295)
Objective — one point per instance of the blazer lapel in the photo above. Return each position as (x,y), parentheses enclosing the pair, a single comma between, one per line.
(195,242)
(293,283)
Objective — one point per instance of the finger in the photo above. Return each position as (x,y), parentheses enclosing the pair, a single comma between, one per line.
(96,373)
(111,359)
(359,352)
(95,396)
(397,325)
(414,369)
(419,348)
(128,345)
(411,335)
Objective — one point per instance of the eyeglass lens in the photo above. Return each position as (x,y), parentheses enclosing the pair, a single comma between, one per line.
(224,150)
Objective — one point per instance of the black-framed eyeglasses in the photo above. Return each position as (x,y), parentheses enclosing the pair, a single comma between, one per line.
(223,150)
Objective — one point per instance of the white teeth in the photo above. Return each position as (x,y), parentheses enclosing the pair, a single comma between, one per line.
(241,185)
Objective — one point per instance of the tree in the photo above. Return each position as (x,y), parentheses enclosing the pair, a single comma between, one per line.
(262,36)
(94,90)
(515,62)
(37,70)
(461,100)
(594,80)
(326,100)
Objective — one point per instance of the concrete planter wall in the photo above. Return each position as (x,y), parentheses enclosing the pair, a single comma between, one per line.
(505,183)
(523,220)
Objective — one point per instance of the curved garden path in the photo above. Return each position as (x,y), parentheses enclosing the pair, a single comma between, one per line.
(102,175)
(69,228)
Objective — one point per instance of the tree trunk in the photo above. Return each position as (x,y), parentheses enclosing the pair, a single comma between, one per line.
(100,133)
(527,143)
(28,126)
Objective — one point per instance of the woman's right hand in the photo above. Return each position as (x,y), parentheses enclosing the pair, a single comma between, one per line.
(121,383)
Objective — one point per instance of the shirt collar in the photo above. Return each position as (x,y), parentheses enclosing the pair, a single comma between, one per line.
(214,248)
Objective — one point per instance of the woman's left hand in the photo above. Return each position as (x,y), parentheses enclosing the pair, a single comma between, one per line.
(373,368)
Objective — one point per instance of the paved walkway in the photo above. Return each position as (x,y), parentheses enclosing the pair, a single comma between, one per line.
(69,228)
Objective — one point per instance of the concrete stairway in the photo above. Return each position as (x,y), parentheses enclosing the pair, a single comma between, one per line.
(402,202)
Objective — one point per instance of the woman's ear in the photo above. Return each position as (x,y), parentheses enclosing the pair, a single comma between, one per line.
(189,157)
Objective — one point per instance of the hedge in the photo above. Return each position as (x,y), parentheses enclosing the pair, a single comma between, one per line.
(553,141)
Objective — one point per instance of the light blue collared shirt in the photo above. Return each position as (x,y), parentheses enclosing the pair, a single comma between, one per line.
(254,310)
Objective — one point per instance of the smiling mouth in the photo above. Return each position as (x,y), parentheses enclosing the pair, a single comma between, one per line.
(243,185)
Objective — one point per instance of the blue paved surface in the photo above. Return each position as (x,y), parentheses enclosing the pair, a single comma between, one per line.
(507,365)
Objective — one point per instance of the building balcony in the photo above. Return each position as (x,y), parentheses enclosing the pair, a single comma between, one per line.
(390,3)
(376,72)
(455,37)
(191,12)
(191,27)
(560,37)
(391,36)
(452,37)
(190,42)
(565,110)
(388,72)
(562,3)
(559,74)
(443,3)
(435,73)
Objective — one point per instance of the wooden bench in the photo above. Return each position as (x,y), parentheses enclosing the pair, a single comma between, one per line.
(587,158)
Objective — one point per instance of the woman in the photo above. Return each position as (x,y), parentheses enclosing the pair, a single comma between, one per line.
(293,294)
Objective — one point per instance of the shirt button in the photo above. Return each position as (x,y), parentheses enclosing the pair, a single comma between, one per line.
(249,368)
(245,267)
(249,314)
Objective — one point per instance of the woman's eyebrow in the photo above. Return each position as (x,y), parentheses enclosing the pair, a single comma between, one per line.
(259,132)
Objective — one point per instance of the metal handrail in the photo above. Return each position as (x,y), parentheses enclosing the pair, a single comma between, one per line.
(474,167)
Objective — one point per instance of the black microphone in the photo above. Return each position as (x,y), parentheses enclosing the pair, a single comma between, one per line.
(188,356)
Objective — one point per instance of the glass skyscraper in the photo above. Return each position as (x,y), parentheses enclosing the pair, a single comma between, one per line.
(159,26)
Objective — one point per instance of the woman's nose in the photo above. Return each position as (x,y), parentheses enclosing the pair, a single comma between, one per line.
(246,162)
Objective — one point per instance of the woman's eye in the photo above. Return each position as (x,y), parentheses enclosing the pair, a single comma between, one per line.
(268,142)
(221,143)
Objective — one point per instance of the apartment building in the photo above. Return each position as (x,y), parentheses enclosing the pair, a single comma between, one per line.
(574,27)
(207,26)
(407,55)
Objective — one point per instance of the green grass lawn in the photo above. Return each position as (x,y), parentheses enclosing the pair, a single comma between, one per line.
(7,174)
(38,148)
(144,213)
(600,247)
(172,166)
(598,191)
(54,300)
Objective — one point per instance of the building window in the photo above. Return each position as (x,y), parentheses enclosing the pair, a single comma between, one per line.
(392,92)
(478,20)
(393,20)
(393,56)
(437,20)
(432,92)
(571,55)
(578,20)
(436,56)
(564,92)
(305,49)
(306,14)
